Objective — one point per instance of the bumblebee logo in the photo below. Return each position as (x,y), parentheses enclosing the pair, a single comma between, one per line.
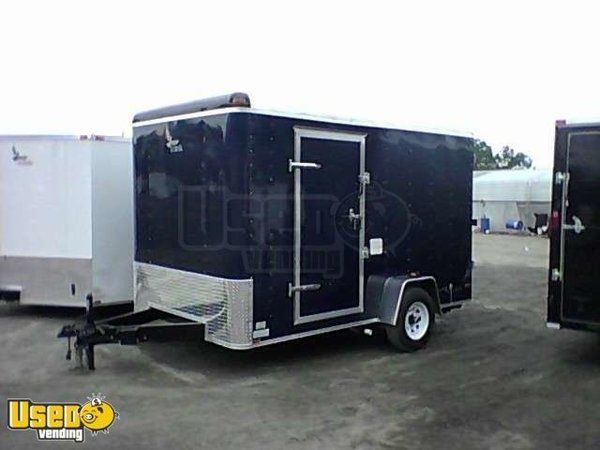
(97,414)
(62,421)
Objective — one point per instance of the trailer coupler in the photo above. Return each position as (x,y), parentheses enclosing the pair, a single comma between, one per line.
(86,338)
(126,329)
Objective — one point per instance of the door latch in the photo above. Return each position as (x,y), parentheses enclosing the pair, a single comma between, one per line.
(354,219)
(302,288)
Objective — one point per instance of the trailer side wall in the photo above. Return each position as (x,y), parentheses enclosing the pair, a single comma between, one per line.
(215,196)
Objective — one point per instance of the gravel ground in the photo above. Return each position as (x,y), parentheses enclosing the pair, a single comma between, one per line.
(493,376)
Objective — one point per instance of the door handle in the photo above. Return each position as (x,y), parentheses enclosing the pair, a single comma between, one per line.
(577,225)
(302,288)
(302,165)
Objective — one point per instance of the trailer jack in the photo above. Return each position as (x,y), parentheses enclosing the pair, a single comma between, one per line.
(126,329)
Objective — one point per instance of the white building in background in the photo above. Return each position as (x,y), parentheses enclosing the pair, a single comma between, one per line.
(511,195)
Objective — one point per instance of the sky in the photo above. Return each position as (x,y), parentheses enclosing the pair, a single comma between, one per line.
(503,71)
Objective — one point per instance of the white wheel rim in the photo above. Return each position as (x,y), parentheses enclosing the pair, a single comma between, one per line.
(416,321)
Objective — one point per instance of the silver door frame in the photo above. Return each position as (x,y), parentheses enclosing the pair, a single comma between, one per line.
(315,133)
(563,219)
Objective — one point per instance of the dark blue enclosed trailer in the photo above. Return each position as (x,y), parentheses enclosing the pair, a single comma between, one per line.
(573,292)
(265,227)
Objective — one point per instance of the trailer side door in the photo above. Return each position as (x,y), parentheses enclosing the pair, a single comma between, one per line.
(329,210)
(580,229)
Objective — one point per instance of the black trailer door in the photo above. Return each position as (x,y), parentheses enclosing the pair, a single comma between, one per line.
(329,209)
(580,235)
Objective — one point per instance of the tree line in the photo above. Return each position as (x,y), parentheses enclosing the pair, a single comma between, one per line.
(485,159)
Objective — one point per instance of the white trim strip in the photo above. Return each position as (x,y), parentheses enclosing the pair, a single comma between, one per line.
(302,116)
(585,123)
(328,135)
(315,332)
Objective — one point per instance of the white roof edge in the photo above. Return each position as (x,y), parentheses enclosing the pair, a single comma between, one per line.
(303,116)
(582,122)
(63,137)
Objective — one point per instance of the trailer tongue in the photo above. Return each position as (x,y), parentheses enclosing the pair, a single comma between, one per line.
(126,329)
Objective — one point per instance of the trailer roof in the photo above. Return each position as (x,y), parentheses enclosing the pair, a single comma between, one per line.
(302,116)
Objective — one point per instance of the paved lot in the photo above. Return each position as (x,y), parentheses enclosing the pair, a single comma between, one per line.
(492,377)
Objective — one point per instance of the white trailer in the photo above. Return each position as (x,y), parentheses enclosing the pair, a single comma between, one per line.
(66,219)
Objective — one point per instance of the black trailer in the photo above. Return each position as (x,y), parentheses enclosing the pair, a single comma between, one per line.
(573,288)
(256,227)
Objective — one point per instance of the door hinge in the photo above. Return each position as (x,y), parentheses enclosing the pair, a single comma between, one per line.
(364,254)
(556,275)
(364,178)
(559,178)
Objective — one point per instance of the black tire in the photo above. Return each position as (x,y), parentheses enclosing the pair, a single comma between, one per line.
(397,335)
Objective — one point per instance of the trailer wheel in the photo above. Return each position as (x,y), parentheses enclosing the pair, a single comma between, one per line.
(415,321)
